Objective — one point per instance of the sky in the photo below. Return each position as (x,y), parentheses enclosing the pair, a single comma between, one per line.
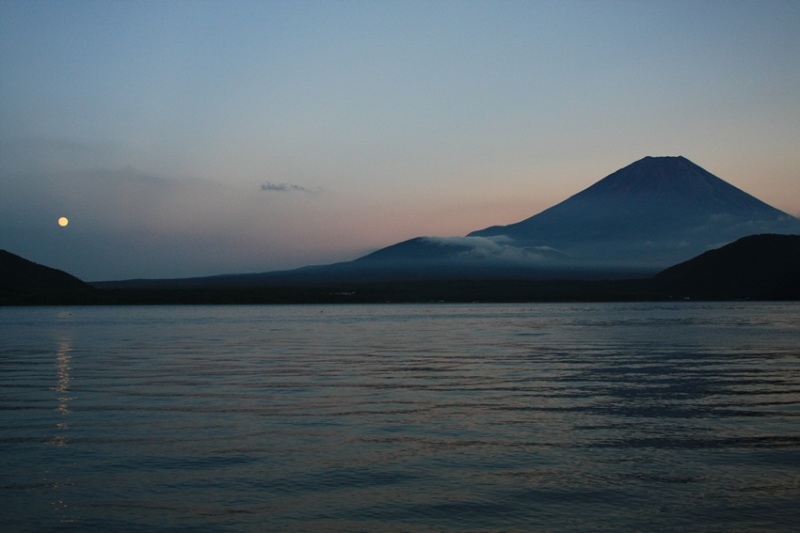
(191,138)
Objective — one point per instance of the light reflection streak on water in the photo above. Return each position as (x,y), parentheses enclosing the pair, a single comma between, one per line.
(63,369)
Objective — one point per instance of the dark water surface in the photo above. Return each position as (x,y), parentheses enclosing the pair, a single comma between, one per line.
(606,417)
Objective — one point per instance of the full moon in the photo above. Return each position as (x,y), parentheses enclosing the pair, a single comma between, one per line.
(63,221)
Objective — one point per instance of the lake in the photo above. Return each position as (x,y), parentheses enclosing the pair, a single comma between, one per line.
(538,417)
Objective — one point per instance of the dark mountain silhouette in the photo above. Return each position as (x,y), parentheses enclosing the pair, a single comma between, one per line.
(654,213)
(759,267)
(23,281)
(18,273)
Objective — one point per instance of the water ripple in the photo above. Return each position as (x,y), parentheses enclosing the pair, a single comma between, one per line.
(579,417)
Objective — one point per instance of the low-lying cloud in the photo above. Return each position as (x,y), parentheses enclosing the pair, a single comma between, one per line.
(500,249)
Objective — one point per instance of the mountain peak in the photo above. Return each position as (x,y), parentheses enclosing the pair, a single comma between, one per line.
(662,158)
(664,164)
(656,176)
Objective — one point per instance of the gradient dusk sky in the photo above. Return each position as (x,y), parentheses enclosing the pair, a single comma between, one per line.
(187,138)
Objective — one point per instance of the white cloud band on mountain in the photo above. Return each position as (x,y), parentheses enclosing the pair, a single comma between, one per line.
(496,248)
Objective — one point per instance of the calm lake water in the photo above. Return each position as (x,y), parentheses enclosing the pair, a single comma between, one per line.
(602,417)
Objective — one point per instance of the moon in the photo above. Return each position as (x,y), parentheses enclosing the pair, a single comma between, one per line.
(63,221)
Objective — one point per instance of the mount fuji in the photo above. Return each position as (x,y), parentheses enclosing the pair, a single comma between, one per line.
(647,216)
(655,212)
(639,220)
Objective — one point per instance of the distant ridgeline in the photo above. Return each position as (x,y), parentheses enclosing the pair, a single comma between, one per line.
(760,267)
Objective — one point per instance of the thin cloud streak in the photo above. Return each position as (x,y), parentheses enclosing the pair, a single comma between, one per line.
(284,187)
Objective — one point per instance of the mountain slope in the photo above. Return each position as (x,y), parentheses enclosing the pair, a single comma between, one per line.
(759,267)
(25,282)
(18,273)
